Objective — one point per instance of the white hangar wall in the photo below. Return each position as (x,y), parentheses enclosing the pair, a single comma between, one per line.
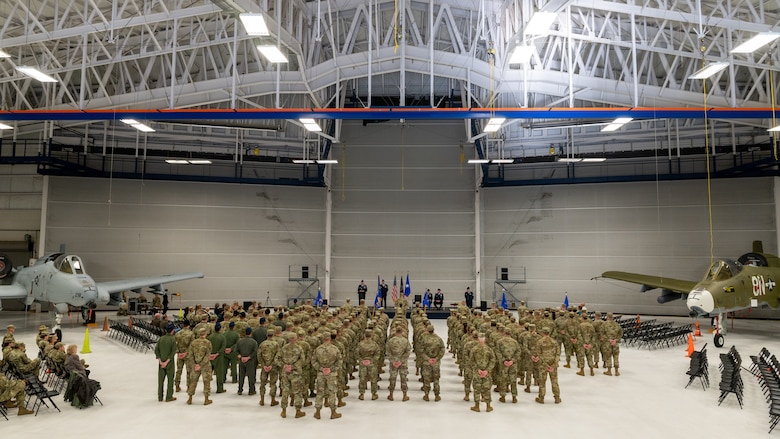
(566,235)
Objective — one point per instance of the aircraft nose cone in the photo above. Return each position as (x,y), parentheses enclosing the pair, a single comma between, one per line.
(701,302)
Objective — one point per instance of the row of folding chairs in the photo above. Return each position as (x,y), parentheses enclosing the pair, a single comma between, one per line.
(699,368)
(130,336)
(730,377)
(153,332)
(766,369)
(666,336)
(632,334)
(37,393)
(646,333)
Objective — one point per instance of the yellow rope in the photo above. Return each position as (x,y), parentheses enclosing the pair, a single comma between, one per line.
(395,26)
(774,117)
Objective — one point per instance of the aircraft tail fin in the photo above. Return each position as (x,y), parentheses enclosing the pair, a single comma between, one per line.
(758,247)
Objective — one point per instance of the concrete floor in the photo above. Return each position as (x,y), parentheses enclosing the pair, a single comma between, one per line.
(649,400)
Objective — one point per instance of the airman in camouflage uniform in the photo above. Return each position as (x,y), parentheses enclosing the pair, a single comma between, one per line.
(465,364)
(432,351)
(397,351)
(183,339)
(508,358)
(589,342)
(290,361)
(326,360)
(529,346)
(18,357)
(368,355)
(9,335)
(546,356)
(12,394)
(269,373)
(200,349)
(612,335)
(482,361)
(598,325)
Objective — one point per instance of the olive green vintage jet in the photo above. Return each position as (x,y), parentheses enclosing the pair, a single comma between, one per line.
(728,286)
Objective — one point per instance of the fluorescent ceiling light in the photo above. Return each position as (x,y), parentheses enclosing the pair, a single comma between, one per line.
(272,54)
(310,125)
(758,41)
(777,128)
(478,161)
(138,125)
(594,159)
(709,70)
(177,162)
(327,162)
(200,162)
(540,23)
(36,74)
(522,54)
(569,160)
(302,162)
(254,24)
(616,124)
(494,124)
(5,127)
(4,54)
(502,161)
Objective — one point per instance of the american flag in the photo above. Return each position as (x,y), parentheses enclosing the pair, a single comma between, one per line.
(395,289)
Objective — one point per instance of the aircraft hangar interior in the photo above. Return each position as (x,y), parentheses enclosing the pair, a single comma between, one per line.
(614,153)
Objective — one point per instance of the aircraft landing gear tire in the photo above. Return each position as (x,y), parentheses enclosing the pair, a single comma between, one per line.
(718,340)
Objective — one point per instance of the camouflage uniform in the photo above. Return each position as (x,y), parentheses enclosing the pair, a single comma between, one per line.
(397,352)
(183,340)
(327,360)
(432,351)
(589,343)
(200,349)
(368,365)
(465,363)
(598,325)
(12,394)
(269,373)
(508,352)
(612,335)
(290,360)
(482,360)
(18,357)
(529,347)
(547,354)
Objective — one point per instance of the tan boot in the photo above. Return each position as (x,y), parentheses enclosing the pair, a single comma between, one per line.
(189,400)
(334,415)
(178,388)
(207,401)
(274,402)
(608,371)
(539,399)
(567,365)
(341,403)
(557,399)
(489,408)
(437,397)
(262,399)
(502,399)
(475,408)
(374,396)
(617,372)
(307,403)
(317,414)
(592,372)
(23,411)
(581,372)
(390,396)
(361,397)
(425,397)
(284,412)
(466,398)
(405,398)
(299,413)
(10,404)
(527,389)
(514,399)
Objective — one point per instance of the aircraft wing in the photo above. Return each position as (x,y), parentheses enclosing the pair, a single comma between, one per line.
(12,292)
(117,286)
(651,282)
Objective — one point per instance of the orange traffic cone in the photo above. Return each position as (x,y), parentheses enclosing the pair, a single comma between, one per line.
(105,324)
(690,345)
(130,322)
(697,332)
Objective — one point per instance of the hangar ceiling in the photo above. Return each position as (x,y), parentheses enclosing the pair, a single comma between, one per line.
(195,54)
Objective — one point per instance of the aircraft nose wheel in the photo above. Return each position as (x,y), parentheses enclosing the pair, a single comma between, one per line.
(718,340)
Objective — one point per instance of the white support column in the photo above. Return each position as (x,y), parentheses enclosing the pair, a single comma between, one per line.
(402,62)
(328,245)
(370,26)
(44,213)
(173,62)
(477,236)
(430,46)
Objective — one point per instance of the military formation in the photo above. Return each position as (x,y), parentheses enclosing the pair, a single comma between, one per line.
(307,356)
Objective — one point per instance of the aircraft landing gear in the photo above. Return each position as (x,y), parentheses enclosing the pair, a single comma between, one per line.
(720,330)
(718,340)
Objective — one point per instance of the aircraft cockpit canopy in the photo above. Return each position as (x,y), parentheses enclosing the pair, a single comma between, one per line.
(722,270)
(69,264)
